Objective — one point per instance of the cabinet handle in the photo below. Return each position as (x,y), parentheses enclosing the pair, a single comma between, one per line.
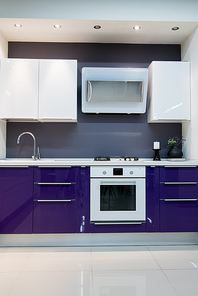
(53,183)
(56,119)
(180,199)
(15,166)
(89,92)
(54,166)
(180,183)
(173,119)
(15,118)
(180,166)
(116,223)
(54,200)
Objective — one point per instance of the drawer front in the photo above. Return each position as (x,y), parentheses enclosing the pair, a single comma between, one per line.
(178,216)
(54,175)
(178,191)
(54,217)
(54,192)
(179,174)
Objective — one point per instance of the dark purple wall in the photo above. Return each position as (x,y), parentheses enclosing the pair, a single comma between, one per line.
(102,134)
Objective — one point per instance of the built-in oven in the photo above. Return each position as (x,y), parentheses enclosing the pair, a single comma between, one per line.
(117,194)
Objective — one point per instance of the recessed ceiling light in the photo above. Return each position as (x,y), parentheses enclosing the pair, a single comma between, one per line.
(175,28)
(136,28)
(57,26)
(97,27)
(18,25)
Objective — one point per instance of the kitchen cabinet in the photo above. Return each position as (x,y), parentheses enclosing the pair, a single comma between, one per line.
(83,199)
(179,199)
(16,199)
(169,92)
(54,200)
(19,89)
(152,198)
(38,90)
(57,90)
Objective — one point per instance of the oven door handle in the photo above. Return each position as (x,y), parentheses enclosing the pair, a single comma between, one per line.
(117,223)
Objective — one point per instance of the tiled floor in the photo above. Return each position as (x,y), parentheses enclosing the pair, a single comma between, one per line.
(99,271)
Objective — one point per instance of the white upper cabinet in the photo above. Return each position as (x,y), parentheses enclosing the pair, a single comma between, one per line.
(57,90)
(19,89)
(169,92)
(41,90)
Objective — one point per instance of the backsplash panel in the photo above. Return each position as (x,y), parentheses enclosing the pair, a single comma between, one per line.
(94,134)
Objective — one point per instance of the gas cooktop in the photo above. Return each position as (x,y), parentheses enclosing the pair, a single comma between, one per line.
(121,158)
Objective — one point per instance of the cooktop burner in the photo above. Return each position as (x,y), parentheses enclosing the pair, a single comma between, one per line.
(121,158)
(102,158)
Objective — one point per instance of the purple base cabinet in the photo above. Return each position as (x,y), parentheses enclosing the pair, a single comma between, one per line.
(54,217)
(152,199)
(54,200)
(16,200)
(83,200)
(178,216)
(179,199)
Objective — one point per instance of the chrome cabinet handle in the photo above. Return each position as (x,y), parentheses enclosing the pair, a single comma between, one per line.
(180,183)
(53,183)
(53,200)
(15,166)
(51,166)
(89,92)
(180,199)
(180,166)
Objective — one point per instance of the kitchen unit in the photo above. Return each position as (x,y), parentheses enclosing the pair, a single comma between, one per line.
(178,199)
(169,92)
(16,195)
(38,90)
(57,199)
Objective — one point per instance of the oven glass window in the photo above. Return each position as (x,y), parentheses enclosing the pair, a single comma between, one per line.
(117,198)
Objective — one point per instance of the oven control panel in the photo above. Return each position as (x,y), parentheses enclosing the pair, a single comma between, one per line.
(118,171)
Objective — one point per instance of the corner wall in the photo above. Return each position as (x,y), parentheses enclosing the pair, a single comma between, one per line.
(189,51)
(3,54)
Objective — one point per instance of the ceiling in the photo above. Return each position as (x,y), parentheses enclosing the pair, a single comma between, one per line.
(151,32)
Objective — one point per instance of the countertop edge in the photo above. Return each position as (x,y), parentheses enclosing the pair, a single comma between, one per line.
(65,162)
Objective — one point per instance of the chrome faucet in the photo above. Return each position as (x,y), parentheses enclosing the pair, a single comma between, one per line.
(36,155)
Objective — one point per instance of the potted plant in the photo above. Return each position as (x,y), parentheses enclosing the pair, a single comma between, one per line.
(172,146)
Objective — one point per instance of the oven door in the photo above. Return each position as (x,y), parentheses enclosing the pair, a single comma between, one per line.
(118,199)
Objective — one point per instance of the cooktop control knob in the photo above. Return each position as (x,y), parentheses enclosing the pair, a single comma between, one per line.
(104,172)
(131,172)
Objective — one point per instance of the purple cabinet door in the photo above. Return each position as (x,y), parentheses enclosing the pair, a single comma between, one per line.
(178,174)
(54,174)
(179,216)
(54,200)
(83,200)
(152,199)
(54,217)
(178,191)
(51,191)
(16,200)
(178,199)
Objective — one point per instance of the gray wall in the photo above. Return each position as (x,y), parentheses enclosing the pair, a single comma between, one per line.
(94,134)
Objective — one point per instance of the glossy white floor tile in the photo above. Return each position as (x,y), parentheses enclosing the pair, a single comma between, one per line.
(99,271)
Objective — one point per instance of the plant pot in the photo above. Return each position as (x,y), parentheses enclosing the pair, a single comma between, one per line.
(175,152)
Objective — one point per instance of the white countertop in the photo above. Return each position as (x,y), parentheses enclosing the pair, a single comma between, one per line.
(91,162)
